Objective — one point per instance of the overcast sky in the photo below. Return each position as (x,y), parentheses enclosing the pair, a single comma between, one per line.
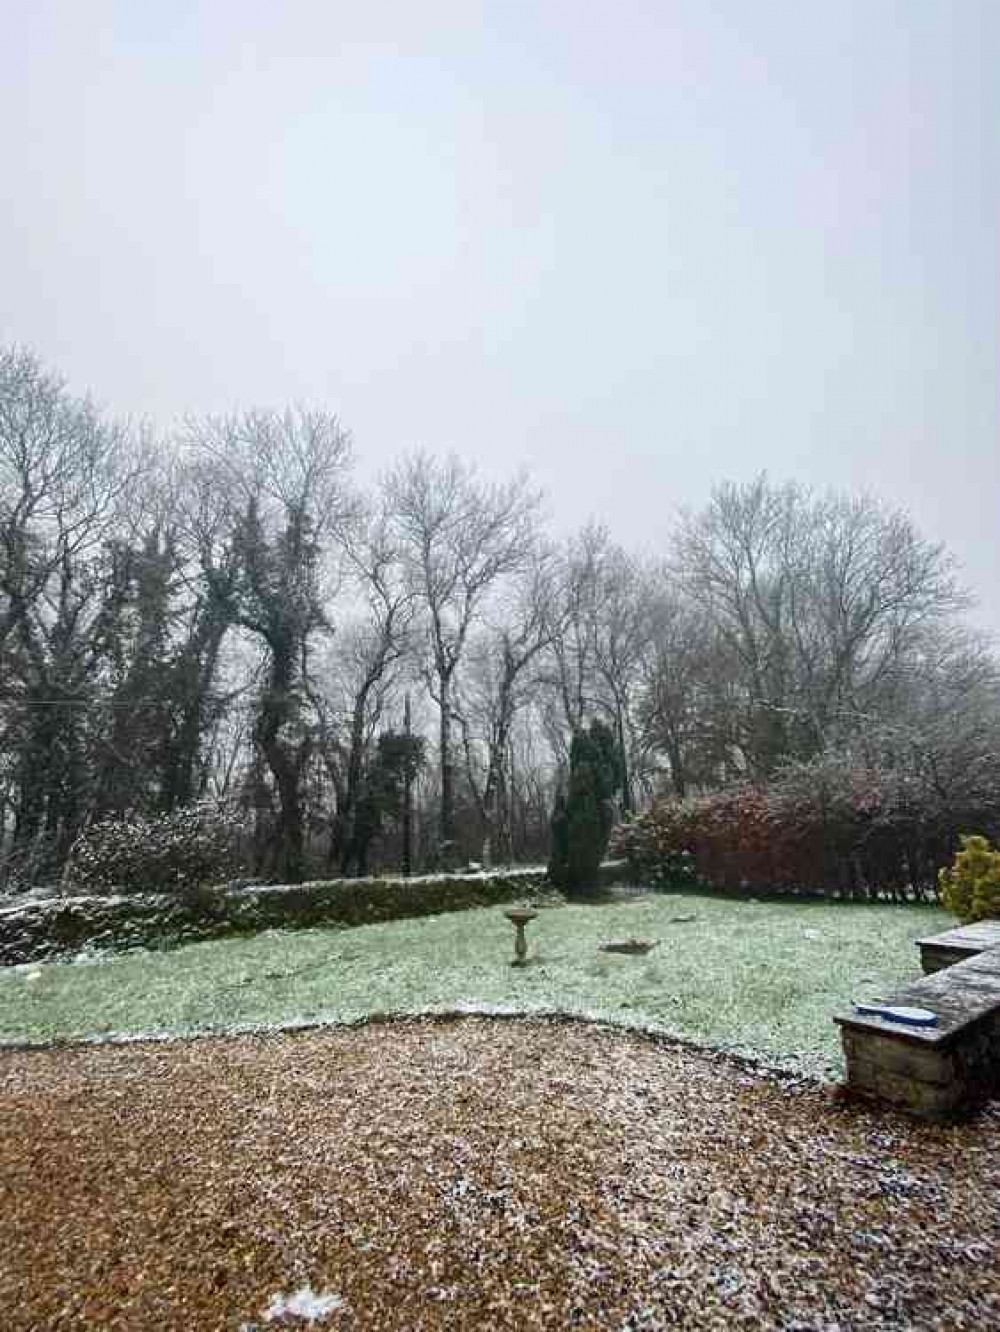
(637,247)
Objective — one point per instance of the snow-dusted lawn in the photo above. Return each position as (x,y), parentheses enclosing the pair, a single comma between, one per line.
(762,977)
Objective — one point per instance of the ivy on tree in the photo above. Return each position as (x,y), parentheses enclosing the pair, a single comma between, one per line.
(397,757)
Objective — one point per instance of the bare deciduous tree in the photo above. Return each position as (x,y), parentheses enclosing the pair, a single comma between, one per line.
(362,672)
(64,470)
(816,602)
(66,473)
(574,619)
(600,633)
(499,682)
(460,535)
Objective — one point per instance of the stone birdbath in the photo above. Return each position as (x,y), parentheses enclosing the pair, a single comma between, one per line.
(519,917)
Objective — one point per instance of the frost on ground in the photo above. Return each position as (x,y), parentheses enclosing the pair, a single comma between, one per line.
(479,1174)
(758,977)
(304,1305)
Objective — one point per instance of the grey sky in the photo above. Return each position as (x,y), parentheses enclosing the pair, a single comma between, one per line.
(637,247)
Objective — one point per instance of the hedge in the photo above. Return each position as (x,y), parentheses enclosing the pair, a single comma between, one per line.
(55,927)
(855,833)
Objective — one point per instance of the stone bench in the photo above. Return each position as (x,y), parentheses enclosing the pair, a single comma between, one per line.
(934,1072)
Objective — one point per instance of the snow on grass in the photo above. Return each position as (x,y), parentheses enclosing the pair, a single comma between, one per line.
(760,978)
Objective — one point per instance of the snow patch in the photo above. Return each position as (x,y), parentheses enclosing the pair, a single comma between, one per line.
(90,956)
(305,1303)
(784,1064)
(499,872)
(53,905)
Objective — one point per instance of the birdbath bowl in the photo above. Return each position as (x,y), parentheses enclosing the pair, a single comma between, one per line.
(519,917)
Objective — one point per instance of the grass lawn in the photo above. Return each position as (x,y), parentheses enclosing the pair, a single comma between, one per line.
(764,978)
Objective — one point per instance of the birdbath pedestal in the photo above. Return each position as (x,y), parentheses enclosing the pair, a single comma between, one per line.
(519,917)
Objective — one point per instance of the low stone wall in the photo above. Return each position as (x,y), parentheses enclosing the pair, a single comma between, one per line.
(53,927)
(923,1081)
(933,1072)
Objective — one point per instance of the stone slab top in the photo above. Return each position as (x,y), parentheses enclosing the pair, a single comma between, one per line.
(959,995)
(971,939)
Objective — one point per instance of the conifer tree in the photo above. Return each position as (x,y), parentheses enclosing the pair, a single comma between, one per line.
(582,821)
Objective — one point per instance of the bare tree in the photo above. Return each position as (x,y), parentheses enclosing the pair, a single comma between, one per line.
(64,472)
(66,477)
(685,695)
(623,625)
(498,684)
(600,631)
(460,536)
(362,672)
(574,678)
(815,601)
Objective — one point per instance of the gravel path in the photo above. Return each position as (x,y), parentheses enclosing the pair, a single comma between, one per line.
(477,1174)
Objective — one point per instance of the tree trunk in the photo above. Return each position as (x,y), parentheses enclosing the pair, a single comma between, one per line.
(493,799)
(348,834)
(286,762)
(289,834)
(627,803)
(447,849)
(678,777)
(408,800)
(489,823)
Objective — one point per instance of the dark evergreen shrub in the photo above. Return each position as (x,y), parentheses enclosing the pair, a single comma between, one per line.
(559,861)
(583,817)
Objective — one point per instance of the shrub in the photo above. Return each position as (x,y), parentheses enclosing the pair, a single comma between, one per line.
(366,901)
(582,821)
(829,827)
(196,845)
(971,886)
(676,870)
(653,845)
(46,929)
(721,841)
(559,860)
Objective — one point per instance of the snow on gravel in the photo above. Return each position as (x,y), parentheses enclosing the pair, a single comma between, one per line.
(305,1304)
(477,1173)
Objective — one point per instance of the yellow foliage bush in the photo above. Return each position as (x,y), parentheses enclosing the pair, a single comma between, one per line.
(971,888)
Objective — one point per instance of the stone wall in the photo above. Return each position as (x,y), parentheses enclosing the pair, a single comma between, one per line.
(933,1072)
(932,1082)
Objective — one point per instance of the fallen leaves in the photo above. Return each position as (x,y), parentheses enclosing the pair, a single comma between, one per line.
(477,1173)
